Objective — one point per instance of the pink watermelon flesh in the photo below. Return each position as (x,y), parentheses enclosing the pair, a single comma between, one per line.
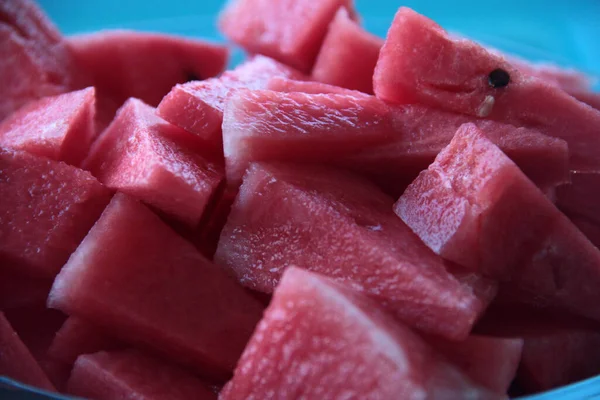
(290,31)
(314,127)
(198,106)
(474,206)
(590,98)
(558,358)
(319,340)
(46,208)
(458,80)
(132,374)
(76,337)
(196,314)
(581,196)
(124,64)
(390,145)
(339,225)
(60,128)
(17,290)
(488,361)
(35,60)
(16,361)
(348,55)
(280,84)
(142,155)
(589,228)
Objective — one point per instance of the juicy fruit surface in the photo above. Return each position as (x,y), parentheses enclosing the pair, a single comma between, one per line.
(142,155)
(344,41)
(46,208)
(60,128)
(580,197)
(334,223)
(196,315)
(123,64)
(317,340)
(289,31)
(458,81)
(131,374)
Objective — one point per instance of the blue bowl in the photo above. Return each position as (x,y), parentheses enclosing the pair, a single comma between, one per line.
(566,33)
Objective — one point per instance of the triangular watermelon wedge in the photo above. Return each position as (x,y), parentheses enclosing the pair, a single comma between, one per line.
(421,63)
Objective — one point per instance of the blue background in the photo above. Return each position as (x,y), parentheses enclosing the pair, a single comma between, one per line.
(565,32)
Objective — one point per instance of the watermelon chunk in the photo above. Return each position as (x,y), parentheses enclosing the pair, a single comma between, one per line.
(314,127)
(76,337)
(390,145)
(458,79)
(317,340)
(348,55)
(590,98)
(289,31)
(336,224)
(131,374)
(16,361)
(581,196)
(475,207)
(488,361)
(35,60)
(280,84)
(17,290)
(198,106)
(152,160)
(558,358)
(196,314)
(60,128)
(46,208)
(123,64)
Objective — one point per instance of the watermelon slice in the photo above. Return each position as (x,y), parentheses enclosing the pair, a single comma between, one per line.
(314,127)
(124,64)
(16,361)
(131,374)
(196,314)
(18,290)
(391,145)
(152,160)
(76,337)
(46,208)
(558,358)
(318,340)
(464,77)
(581,196)
(198,106)
(348,55)
(280,84)
(290,31)
(60,128)
(336,224)
(488,361)
(35,60)
(475,207)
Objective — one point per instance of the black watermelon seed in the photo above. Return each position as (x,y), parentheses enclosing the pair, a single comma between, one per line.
(498,78)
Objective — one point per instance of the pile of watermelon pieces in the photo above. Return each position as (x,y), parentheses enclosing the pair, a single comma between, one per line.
(338,217)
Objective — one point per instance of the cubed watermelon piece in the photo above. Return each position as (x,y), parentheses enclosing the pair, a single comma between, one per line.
(558,358)
(60,128)
(348,55)
(488,361)
(590,98)
(198,106)
(132,374)
(475,207)
(314,127)
(318,340)
(390,145)
(581,196)
(123,64)
(76,337)
(150,159)
(35,61)
(196,314)
(280,84)
(46,208)
(16,361)
(290,31)
(421,63)
(337,224)
(17,290)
